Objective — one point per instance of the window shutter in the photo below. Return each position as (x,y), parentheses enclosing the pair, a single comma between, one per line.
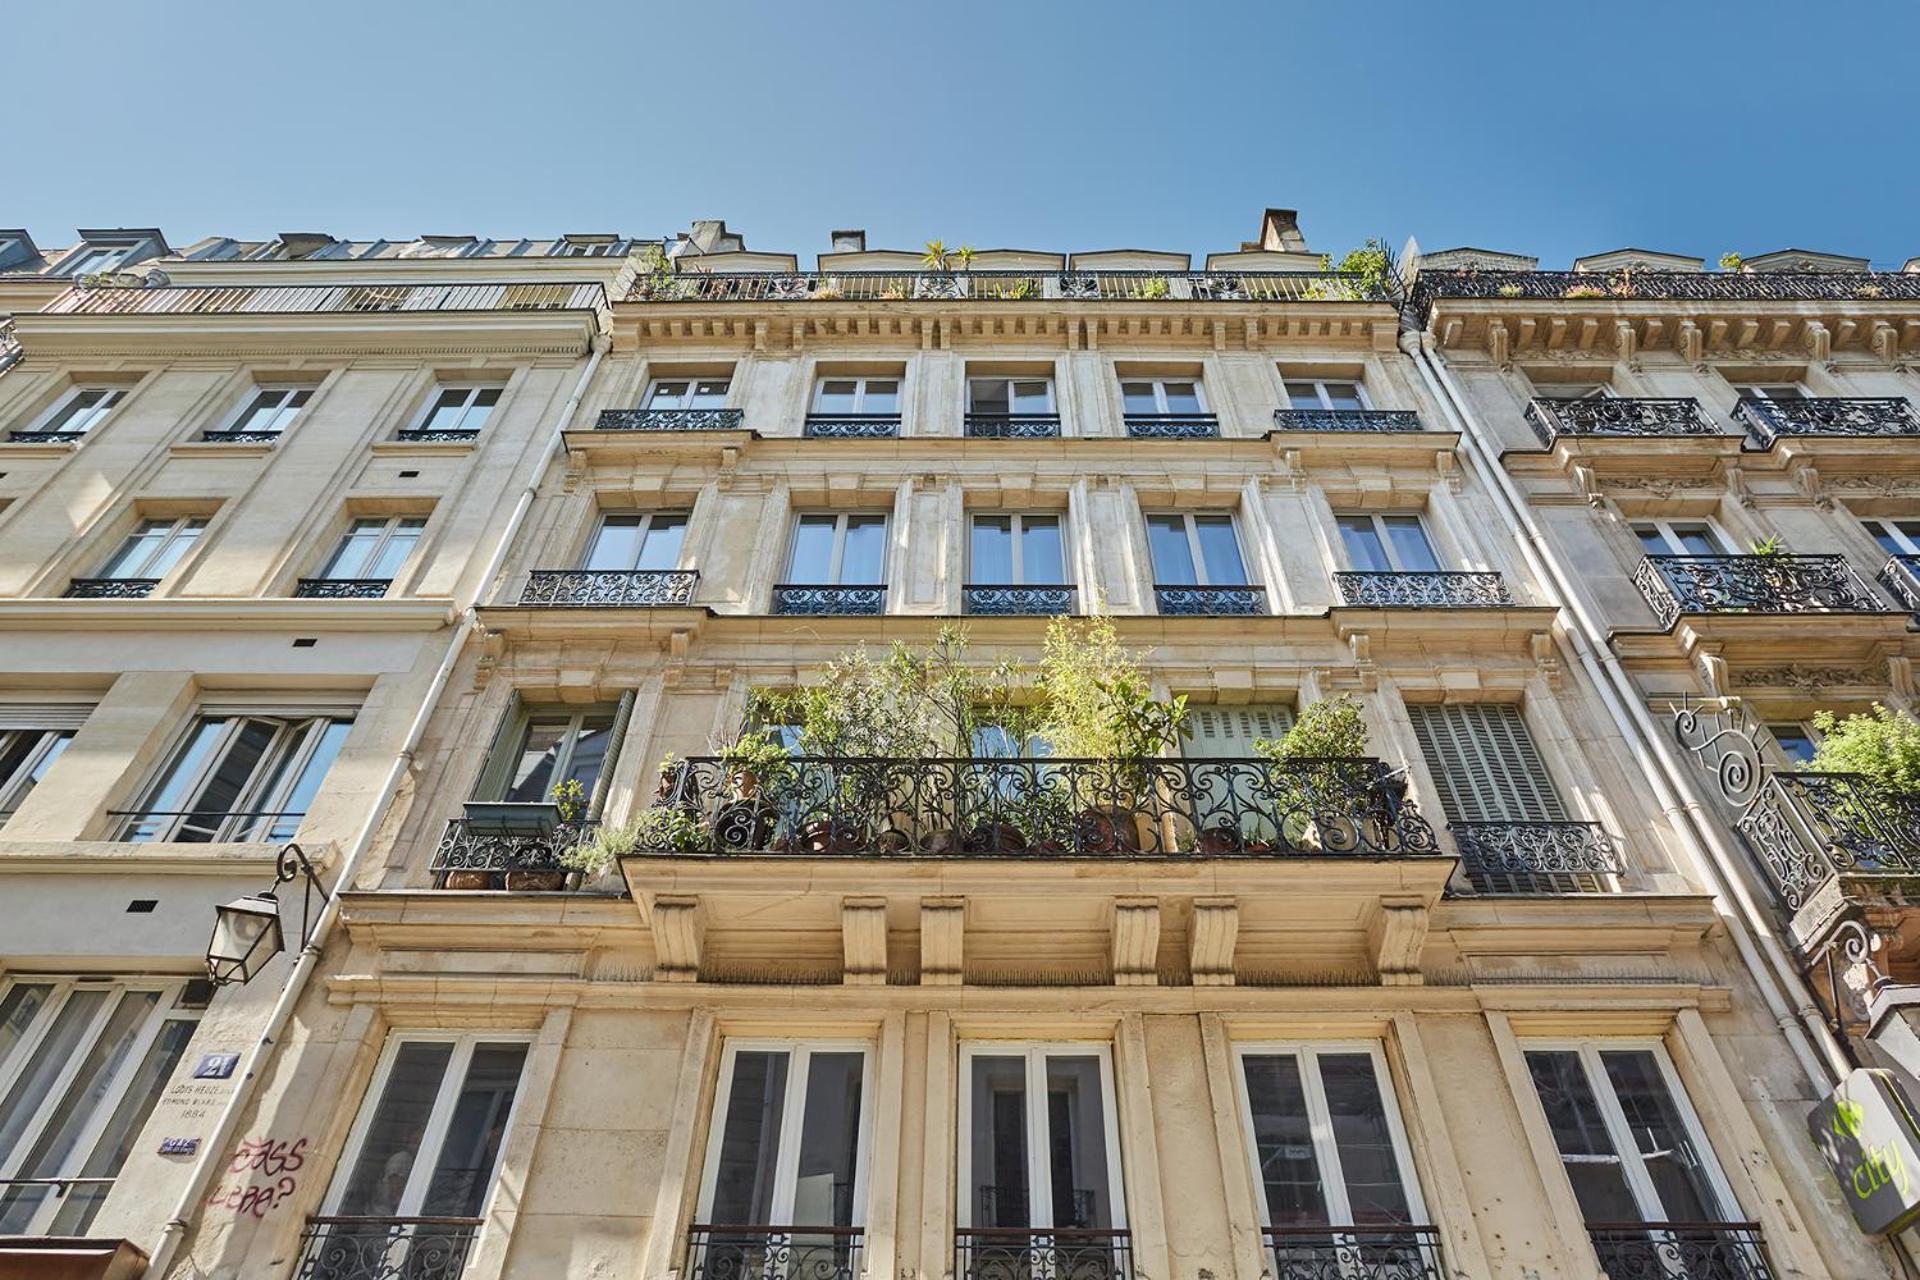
(616,735)
(1218,733)
(492,783)
(43,715)
(1485,764)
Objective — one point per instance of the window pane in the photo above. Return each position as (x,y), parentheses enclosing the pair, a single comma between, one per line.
(25,757)
(221,794)
(117,1139)
(1345,395)
(1283,1142)
(829,1141)
(1221,550)
(616,544)
(18,1008)
(670,394)
(1303,395)
(299,797)
(999,1143)
(1183,397)
(1889,540)
(533,778)
(173,549)
(750,1140)
(1077,1143)
(1410,545)
(262,414)
(882,397)
(463,1173)
(1032,396)
(1586,1149)
(1795,743)
(1139,397)
(1042,554)
(50,1056)
(864,557)
(665,535)
(812,550)
(131,559)
(835,395)
(1365,1143)
(590,752)
(989,395)
(1671,1159)
(446,411)
(170,794)
(710,394)
(1172,554)
(1364,548)
(1696,540)
(992,549)
(394,553)
(1653,539)
(392,1142)
(355,553)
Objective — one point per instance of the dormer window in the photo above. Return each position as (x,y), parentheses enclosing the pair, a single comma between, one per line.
(94,259)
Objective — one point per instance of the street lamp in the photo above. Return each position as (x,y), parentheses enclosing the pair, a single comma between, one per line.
(247,932)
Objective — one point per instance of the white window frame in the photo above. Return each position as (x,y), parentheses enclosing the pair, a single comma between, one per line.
(1625,1147)
(471,392)
(108,1103)
(1557,391)
(112,256)
(1039,1126)
(1288,382)
(310,722)
(1045,379)
(1760,390)
(1379,519)
(88,418)
(1017,531)
(654,400)
(1159,386)
(177,528)
(496,772)
(1667,528)
(1890,526)
(644,531)
(786,1160)
(1326,1151)
(837,558)
(1200,570)
(281,414)
(860,381)
(391,527)
(439,1118)
(16,786)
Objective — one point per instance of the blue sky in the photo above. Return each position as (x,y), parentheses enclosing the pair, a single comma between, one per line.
(1548,128)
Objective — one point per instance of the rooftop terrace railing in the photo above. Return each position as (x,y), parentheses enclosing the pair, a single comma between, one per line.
(1007,286)
(178,300)
(1660,286)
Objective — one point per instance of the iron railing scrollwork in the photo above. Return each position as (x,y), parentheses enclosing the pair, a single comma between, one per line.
(239,437)
(1042,1253)
(1448,589)
(1659,286)
(717,1251)
(1346,420)
(283,299)
(1901,578)
(1767,420)
(803,599)
(451,436)
(851,426)
(670,420)
(1756,584)
(347,1248)
(1355,1253)
(45,437)
(1027,600)
(1617,416)
(1680,1250)
(942,806)
(1010,286)
(1537,857)
(341,588)
(1242,599)
(1173,426)
(1012,426)
(111,588)
(610,588)
(482,856)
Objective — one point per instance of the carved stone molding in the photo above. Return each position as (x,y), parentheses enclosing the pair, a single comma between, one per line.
(1803,678)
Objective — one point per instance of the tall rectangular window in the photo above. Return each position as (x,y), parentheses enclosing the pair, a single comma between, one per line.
(270,412)
(154,548)
(1195,550)
(1016,550)
(1387,543)
(1326,393)
(1484,763)
(844,397)
(687,393)
(1003,397)
(1038,1147)
(25,756)
(79,412)
(839,549)
(373,549)
(457,412)
(637,540)
(240,777)
(541,749)
(1680,538)
(1896,537)
(1160,397)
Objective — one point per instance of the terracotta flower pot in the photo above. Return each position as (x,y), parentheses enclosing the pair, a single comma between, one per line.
(545,881)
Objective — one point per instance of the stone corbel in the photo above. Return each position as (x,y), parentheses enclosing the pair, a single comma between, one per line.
(1448,468)
(1818,342)
(1136,942)
(1546,657)
(759,335)
(1885,342)
(1900,678)
(679,929)
(1737,481)
(1292,470)
(493,646)
(576,471)
(1500,345)
(1626,344)
(1690,342)
(942,940)
(1360,645)
(1807,481)
(1713,673)
(1589,482)
(1211,943)
(1396,935)
(863,942)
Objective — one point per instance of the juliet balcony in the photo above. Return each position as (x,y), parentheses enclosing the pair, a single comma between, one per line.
(670,420)
(508,846)
(1236,600)
(362,1248)
(1380,589)
(1681,1250)
(1012,426)
(1363,1253)
(341,588)
(1381,420)
(851,426)
(1675,586)
(824,600)
(111,588)
(1553,419)
(1537,858)
(1173,426)
(1029,600)
(610,588)
(1766,421)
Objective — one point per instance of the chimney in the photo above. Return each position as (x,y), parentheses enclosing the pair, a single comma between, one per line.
(1280,233)
(849,241)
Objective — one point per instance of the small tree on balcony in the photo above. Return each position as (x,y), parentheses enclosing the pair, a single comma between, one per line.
(1882,746)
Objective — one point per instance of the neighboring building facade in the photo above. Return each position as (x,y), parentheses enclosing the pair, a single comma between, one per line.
(368,546)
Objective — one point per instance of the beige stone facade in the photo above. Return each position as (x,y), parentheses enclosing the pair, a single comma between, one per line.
(366,545)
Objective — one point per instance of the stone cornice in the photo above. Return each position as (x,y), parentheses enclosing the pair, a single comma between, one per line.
(311,334)
(250,614)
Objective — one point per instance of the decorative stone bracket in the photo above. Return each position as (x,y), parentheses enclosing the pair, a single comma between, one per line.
(863,941)
(679,929)
(1396,935)
(1136,942)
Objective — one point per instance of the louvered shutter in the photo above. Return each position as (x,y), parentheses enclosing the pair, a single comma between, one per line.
(1485,764)
(43,715)
(1218,733)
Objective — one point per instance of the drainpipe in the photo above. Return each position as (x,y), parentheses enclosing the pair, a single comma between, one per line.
(1820,1054)
(214,1151)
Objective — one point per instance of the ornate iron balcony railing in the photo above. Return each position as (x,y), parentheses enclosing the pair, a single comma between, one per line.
(239,437)
(1173,426)
(958,806)
(1537,857)
(45,437)
(341,1248)
(611,588)
(1346,420)
(111,588)
(1767,420)
(716,1251)
(1617,416)
(475,855)
(851,426)
(316,298)
(456,436)
(1756,584)
(1901,578)
(1448,589)
(1022,600)
(670,420)
(341,588)
(1012,426)
(804,599)
(1808,828)
(1240,600)
(1355,1253)
(1007,286)
(1661,286)
(1680,1250)
(1048,1253)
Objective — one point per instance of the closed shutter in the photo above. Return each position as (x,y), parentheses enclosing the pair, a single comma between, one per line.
(1485,764)
(622,716)
(492,783)
(1219,733)
(43,715)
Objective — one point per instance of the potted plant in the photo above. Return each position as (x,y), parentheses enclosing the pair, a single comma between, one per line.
(1309,769)
(569,806)
(657,829)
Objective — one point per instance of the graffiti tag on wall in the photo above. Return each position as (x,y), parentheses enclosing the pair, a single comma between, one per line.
(277,1160)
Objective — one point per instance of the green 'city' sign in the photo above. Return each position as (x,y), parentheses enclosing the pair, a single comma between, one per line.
(1870,1139)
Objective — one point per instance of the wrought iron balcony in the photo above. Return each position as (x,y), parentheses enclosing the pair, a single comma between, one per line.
(1617,416)
(1809,829)
(342,588)
(1007,286)
(460,436)
(1012,426)
(611,588)
(719,1252)
(1052,1253)
(340,1248)
(1752,584)
(803,599)
(1211,602)
(1355,1253)
(239,437)
(670,420)
(1537,857)
(1680,1250)
(1021,600)
(176,300)
(1767,420)
(1345,420)
(1377,589)
(483,855)
(851,426)
(1661,286)
(111,588)
(1049,807)
(1173,426)
(1901,578)
(45,437)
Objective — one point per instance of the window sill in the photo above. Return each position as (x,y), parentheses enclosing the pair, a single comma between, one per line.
(423,448)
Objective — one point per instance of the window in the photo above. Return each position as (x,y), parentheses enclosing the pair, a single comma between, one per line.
(374,549)
(31,739)
(1161,397)
(240,777)
(788,1137)
(687,393)
(843,397)
(1331,1166)
(1230,798)
(1771,390)
(1228,733)
(1387,544)
(1484,763)
(542,749)
(81,411)
(648,540)
(1323,393)
(1679,538)
(95,258)
(1017,550)
(458,410)
(1575,391)
(152,550)
(845,549)
(1195,551)
(1896,537)
(1794,741)
(1000,397)
(1037,1143)
(270,412)
(81,1066)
